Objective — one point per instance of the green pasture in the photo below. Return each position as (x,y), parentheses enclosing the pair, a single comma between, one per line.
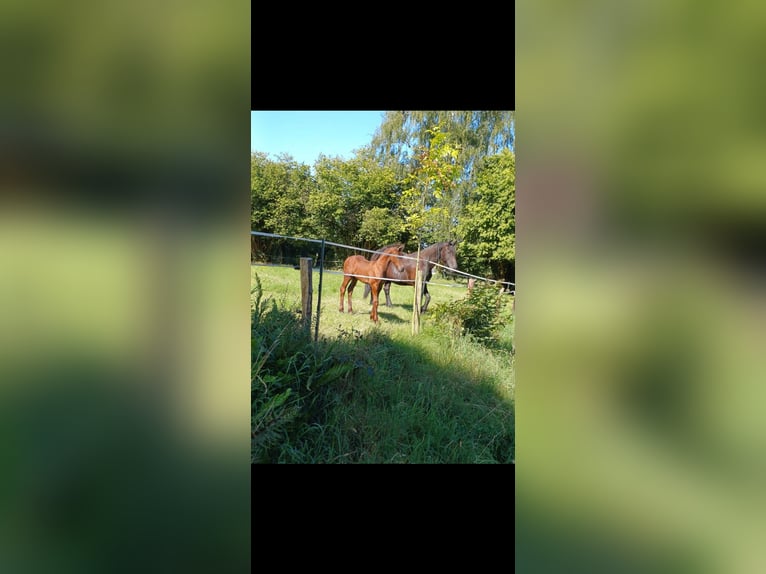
(366,393)
(282,283)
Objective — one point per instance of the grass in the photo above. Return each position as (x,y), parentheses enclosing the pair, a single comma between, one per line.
(283,285)
(385,396)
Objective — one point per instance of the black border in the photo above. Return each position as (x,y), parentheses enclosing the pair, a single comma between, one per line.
(400,60)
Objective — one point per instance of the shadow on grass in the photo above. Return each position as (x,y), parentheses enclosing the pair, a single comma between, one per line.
(381,315)
(390,317)
(457,400)
(406,306)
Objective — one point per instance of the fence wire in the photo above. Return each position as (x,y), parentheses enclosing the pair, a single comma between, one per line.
(353,248)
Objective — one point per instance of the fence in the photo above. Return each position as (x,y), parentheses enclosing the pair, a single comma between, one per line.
(322,245)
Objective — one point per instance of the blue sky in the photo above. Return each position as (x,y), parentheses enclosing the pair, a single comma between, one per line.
(306,134)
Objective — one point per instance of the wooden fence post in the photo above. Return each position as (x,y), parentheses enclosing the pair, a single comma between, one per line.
(418,295)
(306,290)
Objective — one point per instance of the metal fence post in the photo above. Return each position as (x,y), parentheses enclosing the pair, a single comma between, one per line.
(319,295)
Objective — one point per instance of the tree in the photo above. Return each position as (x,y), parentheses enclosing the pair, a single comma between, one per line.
(279,192)
(477,134)
(427,212)
(346,190)
(427,200)
(380,226)
(488,222)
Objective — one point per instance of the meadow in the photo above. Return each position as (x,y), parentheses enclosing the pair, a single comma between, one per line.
(374,393)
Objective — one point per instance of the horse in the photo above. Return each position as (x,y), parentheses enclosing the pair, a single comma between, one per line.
(357,267)
(442,253)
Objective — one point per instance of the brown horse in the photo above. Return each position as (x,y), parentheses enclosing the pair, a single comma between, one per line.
(357,267)
(442,253)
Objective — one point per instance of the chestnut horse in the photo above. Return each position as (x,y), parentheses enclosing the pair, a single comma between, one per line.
(442,253)
(357,267)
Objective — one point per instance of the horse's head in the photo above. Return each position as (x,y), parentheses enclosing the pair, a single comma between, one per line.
(397,262)
(447,255)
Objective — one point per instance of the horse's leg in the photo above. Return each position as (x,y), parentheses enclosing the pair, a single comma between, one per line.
(375,290)
(387,288)
(426,297)
(346,279)
(351,286)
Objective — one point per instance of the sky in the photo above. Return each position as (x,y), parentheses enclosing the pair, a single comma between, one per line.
(306,134)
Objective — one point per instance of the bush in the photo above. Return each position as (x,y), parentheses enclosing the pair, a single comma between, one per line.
(479,315)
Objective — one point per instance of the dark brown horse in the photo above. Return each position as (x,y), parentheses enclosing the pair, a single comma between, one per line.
(442,253)
(357,267)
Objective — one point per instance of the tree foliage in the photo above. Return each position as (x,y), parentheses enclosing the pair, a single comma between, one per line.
(488,222)
(380,226)
(426,201)
(478,134)
(345,191)
(426,175)
(279,192)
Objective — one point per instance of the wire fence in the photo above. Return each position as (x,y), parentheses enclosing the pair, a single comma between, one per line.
(320,257)
(339,262)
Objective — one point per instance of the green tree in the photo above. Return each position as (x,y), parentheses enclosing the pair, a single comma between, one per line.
(478,134)
(374,184)
(345,192)
(279,192)
(488,222)
(426,201)
(328,202)
(380,226)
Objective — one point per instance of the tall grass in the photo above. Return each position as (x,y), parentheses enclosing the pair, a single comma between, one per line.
(363,394)
(289,376)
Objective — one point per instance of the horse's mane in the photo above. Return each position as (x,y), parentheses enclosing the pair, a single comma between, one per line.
(380,251)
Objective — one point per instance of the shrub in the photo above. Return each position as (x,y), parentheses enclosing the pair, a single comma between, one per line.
(480,314)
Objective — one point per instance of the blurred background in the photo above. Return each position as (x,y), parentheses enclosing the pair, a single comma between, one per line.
(124,286)
(641,139)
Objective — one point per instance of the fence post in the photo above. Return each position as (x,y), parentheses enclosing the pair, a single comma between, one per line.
(319,294)
(306,290)
(418,295)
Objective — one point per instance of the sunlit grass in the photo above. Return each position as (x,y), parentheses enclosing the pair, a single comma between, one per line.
(283,285)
